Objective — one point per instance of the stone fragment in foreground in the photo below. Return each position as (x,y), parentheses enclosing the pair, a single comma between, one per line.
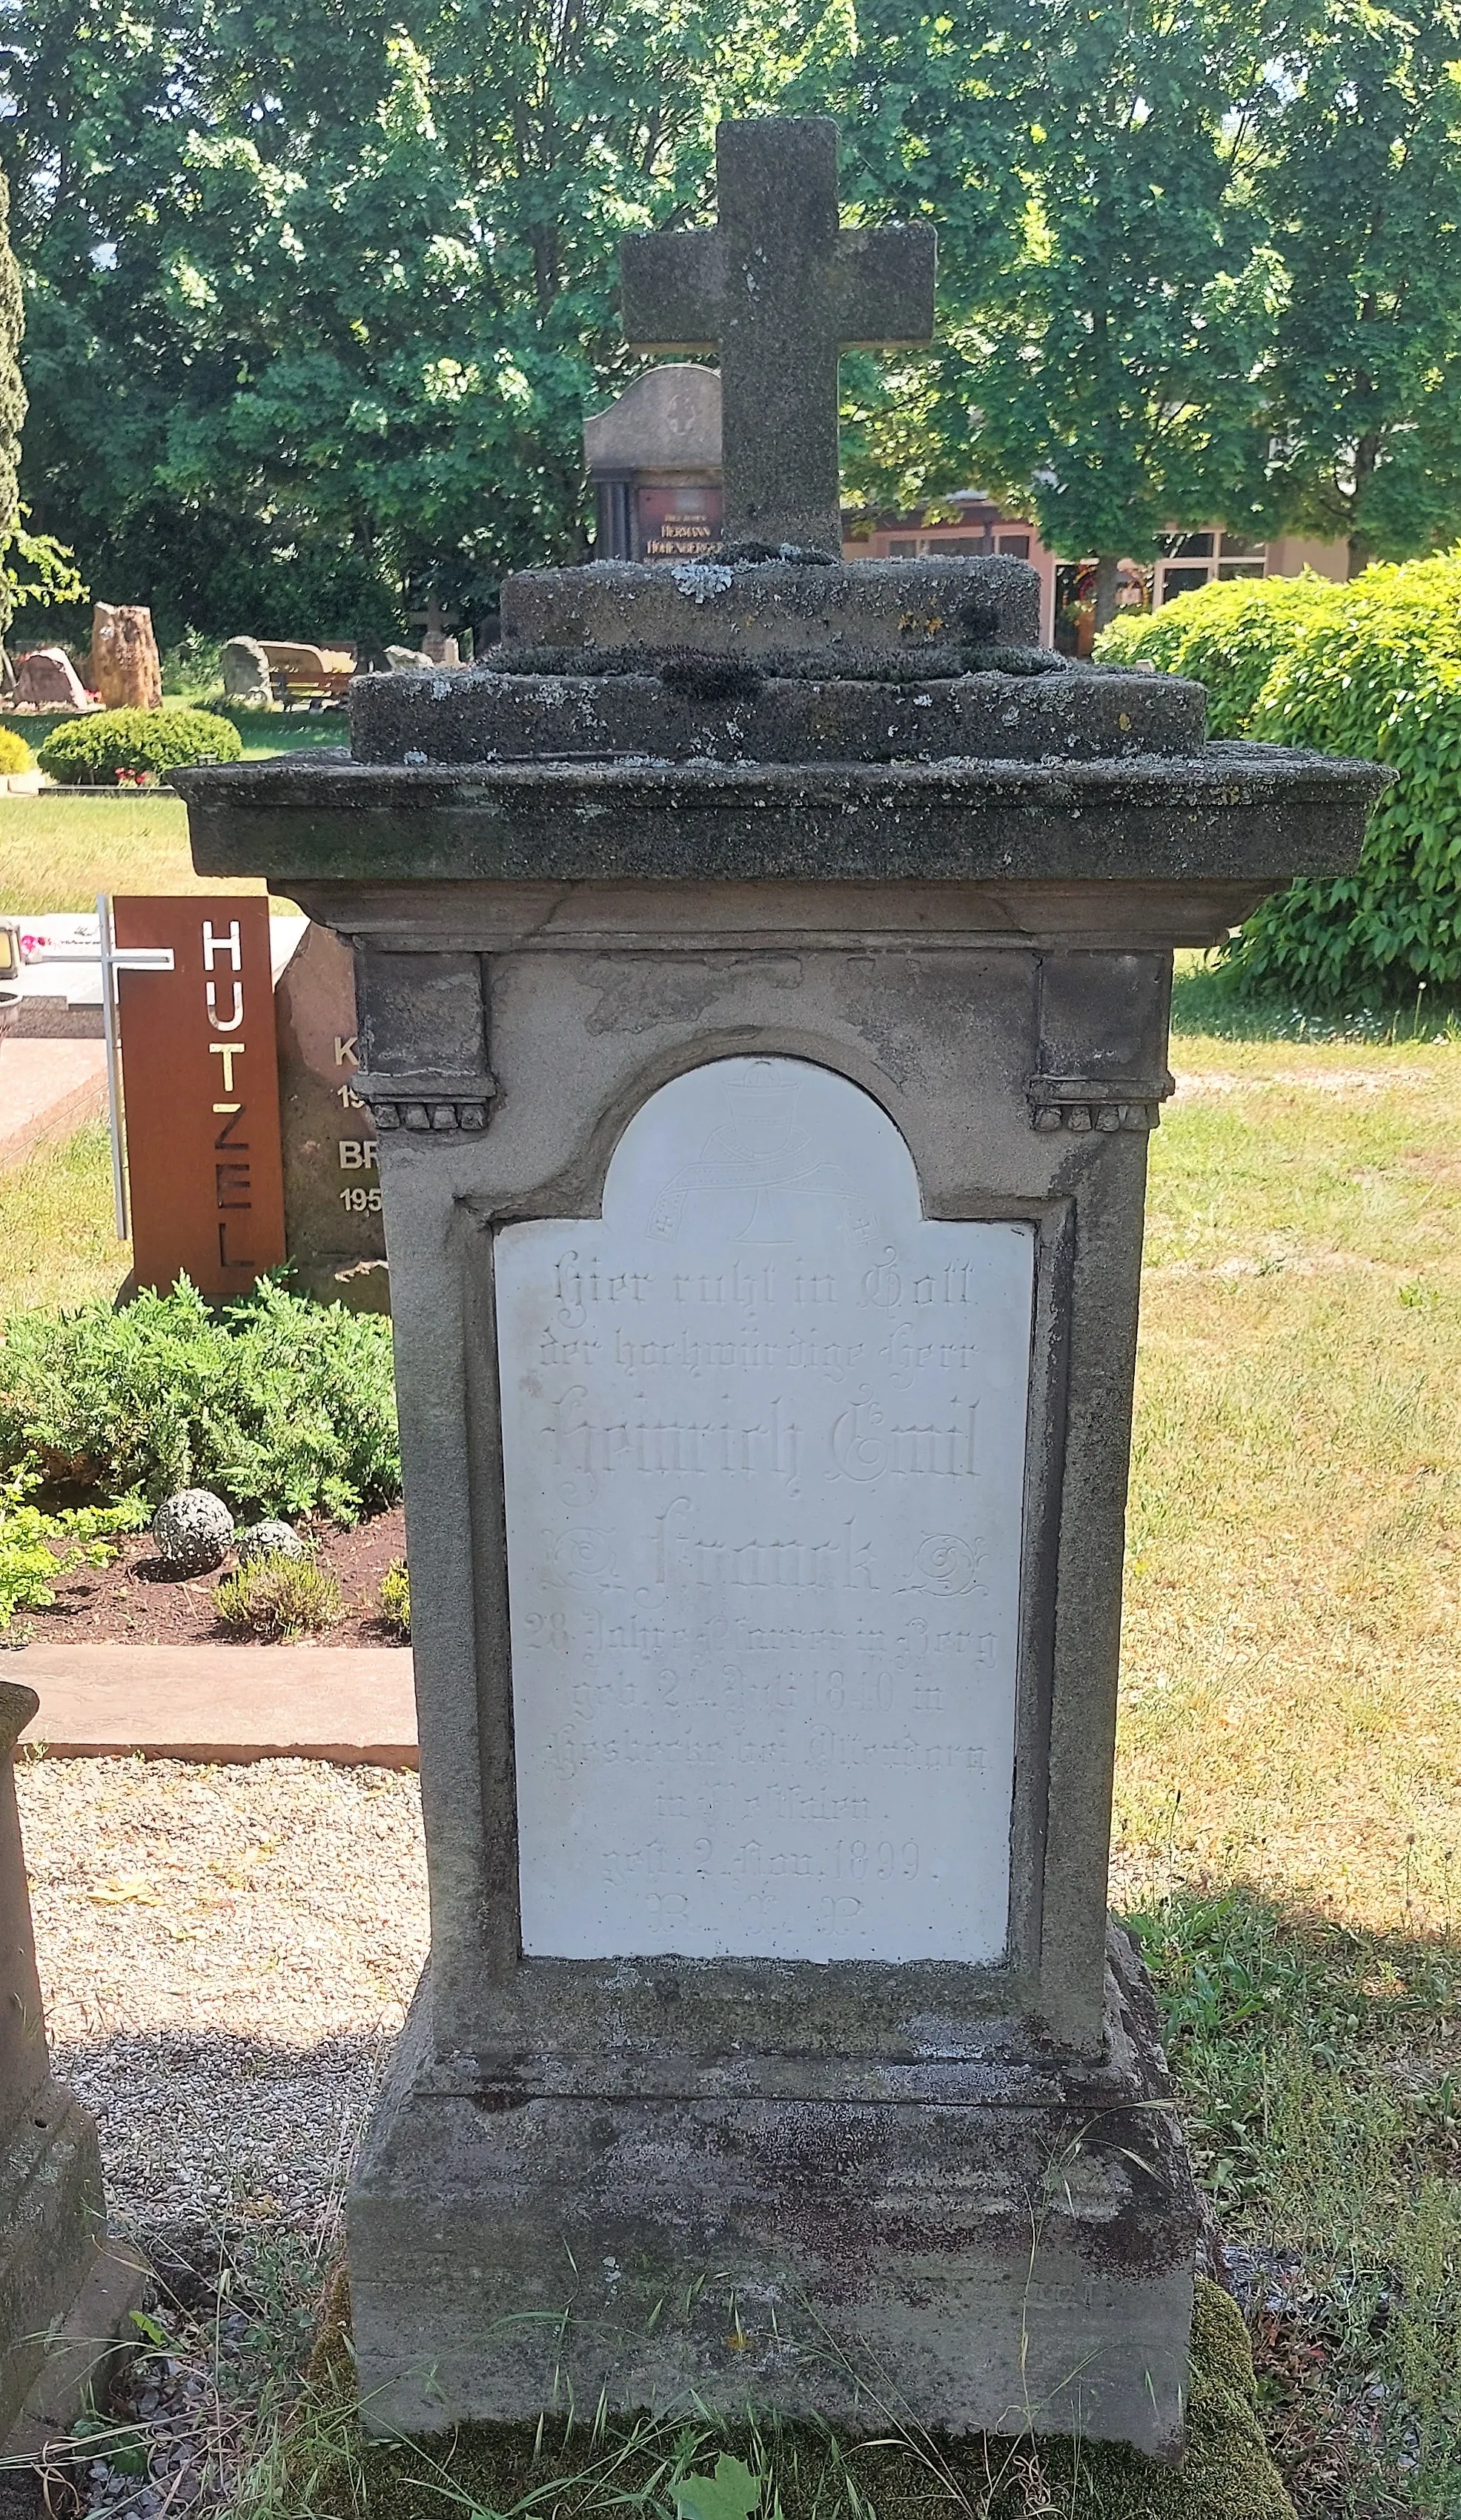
(53,2218)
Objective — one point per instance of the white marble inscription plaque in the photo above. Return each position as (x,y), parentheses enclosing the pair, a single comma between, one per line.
(764,1440)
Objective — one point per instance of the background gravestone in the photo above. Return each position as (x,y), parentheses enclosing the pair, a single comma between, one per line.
(333,1229)
(762,1119)
(46,679)
(125,668)
(245,668)
(654,458)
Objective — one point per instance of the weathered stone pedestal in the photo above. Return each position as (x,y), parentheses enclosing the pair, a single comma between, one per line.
(763,980)
(762,1123)
(52,2217)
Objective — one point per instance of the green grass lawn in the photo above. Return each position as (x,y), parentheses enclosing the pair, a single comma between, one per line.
(60,850)
(1291,1723)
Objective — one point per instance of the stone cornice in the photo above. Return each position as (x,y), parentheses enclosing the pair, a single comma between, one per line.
(1253,813)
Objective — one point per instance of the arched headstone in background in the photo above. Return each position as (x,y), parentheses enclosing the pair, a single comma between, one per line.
(654,458)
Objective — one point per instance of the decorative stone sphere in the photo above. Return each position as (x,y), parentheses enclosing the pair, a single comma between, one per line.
(268,1540)
(193,1531)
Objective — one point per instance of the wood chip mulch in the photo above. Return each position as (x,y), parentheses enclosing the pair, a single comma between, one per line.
(135,1600)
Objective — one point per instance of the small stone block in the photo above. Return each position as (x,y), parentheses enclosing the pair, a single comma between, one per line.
(85,2351)
(756,606)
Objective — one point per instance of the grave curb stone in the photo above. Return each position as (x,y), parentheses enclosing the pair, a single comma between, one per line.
(53,2218)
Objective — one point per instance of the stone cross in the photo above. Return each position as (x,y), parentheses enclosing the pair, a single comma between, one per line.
(779,290)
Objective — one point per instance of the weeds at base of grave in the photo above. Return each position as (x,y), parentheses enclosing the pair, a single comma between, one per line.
(1319,2069)
(277,1598)
(692,2464)
(395,1598)
(1317,2065)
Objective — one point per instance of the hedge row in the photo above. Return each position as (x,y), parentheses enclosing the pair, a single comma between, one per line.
(1371,669)
(89,751)
(279,1405)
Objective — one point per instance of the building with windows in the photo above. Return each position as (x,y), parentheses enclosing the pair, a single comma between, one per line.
(654,459)
(979,525)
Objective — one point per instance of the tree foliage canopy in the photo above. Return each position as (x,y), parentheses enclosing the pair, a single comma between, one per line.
(11,398)
(1362,190)
(1371,670)
(319,294)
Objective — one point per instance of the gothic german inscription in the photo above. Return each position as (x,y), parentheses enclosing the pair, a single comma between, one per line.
(764,1439)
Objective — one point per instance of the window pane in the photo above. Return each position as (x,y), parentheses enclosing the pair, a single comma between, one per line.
(1240,569)
(1239,546)
(1015,546)
(946,546)
(1181,581)
(903,550)
(1187,546)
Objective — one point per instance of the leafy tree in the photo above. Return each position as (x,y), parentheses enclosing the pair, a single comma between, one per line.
(33,567)
(1115,362)
(934,105)
(1364,190)
(332,286)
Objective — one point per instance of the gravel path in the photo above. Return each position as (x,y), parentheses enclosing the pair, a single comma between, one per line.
(227,1955)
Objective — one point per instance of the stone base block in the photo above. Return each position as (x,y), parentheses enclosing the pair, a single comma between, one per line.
(86,2354)
(1086,714)
(746,609)
(972,2263)
(52,2218)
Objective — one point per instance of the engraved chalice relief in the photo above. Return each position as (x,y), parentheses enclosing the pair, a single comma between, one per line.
(755,1171)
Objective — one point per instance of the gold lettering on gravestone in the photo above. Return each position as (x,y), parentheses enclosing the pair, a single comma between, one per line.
(764,1448)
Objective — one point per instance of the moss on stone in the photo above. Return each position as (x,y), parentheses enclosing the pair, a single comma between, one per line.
(1226,2473)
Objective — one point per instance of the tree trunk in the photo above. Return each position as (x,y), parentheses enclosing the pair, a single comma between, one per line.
(1366,457)
(1107,565)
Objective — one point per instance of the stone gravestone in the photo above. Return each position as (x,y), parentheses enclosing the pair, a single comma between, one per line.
(46,679)
(654,459)
(52,2215)
(125,667)
(245,668)
(333,1227)
(763,1043)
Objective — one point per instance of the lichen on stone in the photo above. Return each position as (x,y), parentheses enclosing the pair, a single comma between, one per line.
(193,1531)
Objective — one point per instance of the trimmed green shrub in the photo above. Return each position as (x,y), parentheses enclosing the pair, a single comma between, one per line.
(1228,636)
(1373,670)
(278,1404)
(16,754)
(35,1546)
(90,751)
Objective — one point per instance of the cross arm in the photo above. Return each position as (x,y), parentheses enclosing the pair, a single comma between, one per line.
(884,286)
(671,290)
